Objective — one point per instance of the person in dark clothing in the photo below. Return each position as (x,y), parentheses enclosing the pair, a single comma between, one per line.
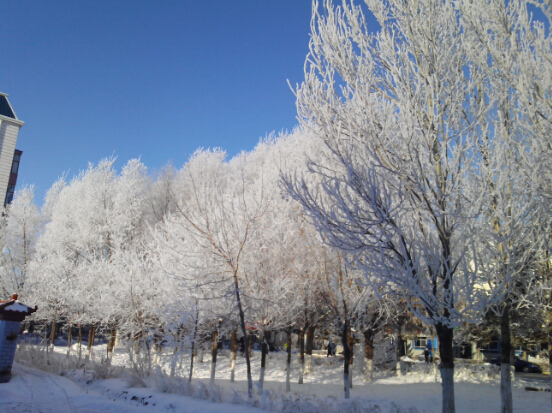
(331,349)
(426,355)
(429,348)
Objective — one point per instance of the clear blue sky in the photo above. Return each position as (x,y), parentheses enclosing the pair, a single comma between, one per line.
(148,79)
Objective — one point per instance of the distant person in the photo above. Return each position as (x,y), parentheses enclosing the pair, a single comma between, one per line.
(331,349)
(429,348)
(426,355)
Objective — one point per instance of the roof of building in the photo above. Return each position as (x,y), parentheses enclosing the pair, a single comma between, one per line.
(15,310)
(5,107)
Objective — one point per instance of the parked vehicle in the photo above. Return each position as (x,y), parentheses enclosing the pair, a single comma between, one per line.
(521,365)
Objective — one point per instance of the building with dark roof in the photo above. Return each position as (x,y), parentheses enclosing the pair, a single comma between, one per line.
(9,156)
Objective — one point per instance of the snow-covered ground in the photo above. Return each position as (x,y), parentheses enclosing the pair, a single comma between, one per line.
(82,391)
(34,391)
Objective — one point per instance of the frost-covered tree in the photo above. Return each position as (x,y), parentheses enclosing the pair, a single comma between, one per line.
(92,221)
(399,116)
(19,229)
(217,206)
(513,51)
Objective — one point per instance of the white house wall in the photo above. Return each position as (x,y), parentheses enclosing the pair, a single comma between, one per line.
(8,139)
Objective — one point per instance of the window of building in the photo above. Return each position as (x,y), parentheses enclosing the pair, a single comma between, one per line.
(15,163)
(492,346)
(9,194)
(420,342)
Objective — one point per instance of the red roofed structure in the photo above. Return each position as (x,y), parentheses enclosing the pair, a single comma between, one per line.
(12,312)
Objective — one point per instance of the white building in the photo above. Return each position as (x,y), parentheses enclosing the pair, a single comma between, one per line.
(9,156)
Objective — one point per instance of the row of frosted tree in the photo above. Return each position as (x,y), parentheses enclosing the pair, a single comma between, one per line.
(183,257)
(418,182)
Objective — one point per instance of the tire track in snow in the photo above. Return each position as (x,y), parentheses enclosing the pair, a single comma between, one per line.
(29,388)
(41,385)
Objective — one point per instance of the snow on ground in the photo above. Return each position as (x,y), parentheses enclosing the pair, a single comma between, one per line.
(34,391)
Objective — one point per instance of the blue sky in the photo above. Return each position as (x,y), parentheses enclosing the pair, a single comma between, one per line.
(154,80)
(148,79)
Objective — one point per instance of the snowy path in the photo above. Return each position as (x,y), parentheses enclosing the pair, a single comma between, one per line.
(33,391)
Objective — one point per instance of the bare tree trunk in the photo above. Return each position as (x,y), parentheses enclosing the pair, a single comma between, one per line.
(347,356)
(200,346)
(369,354)
(53,333)
(91,337)
(506,362)
(214,351)
(310,345)
(111,341)
(174,361)
(396,356)
(445,335)
(79,341)
(302,355)
(233,354)
(550,355)
(264,353)
(69,339)
(288,362)
(193,350)
(400,350)
(245,338)
(351,343)
(250,344)
(158,349)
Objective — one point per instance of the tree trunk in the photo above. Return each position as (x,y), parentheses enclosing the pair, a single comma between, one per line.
(174,361)
(264,353)
(111,342)
(351,343)
(250,344)
(445,335)
(310,345)
(79,341)
(505,362)
(91,337)
(347,356)
(244,332)
(550,355)
(396,356)
(288,362)
(400,351)
(369,354)
(193,350)
(214,351)
(53,333)
(200,346)
(302,352)
(69,339)
(192,356)
(234,352)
